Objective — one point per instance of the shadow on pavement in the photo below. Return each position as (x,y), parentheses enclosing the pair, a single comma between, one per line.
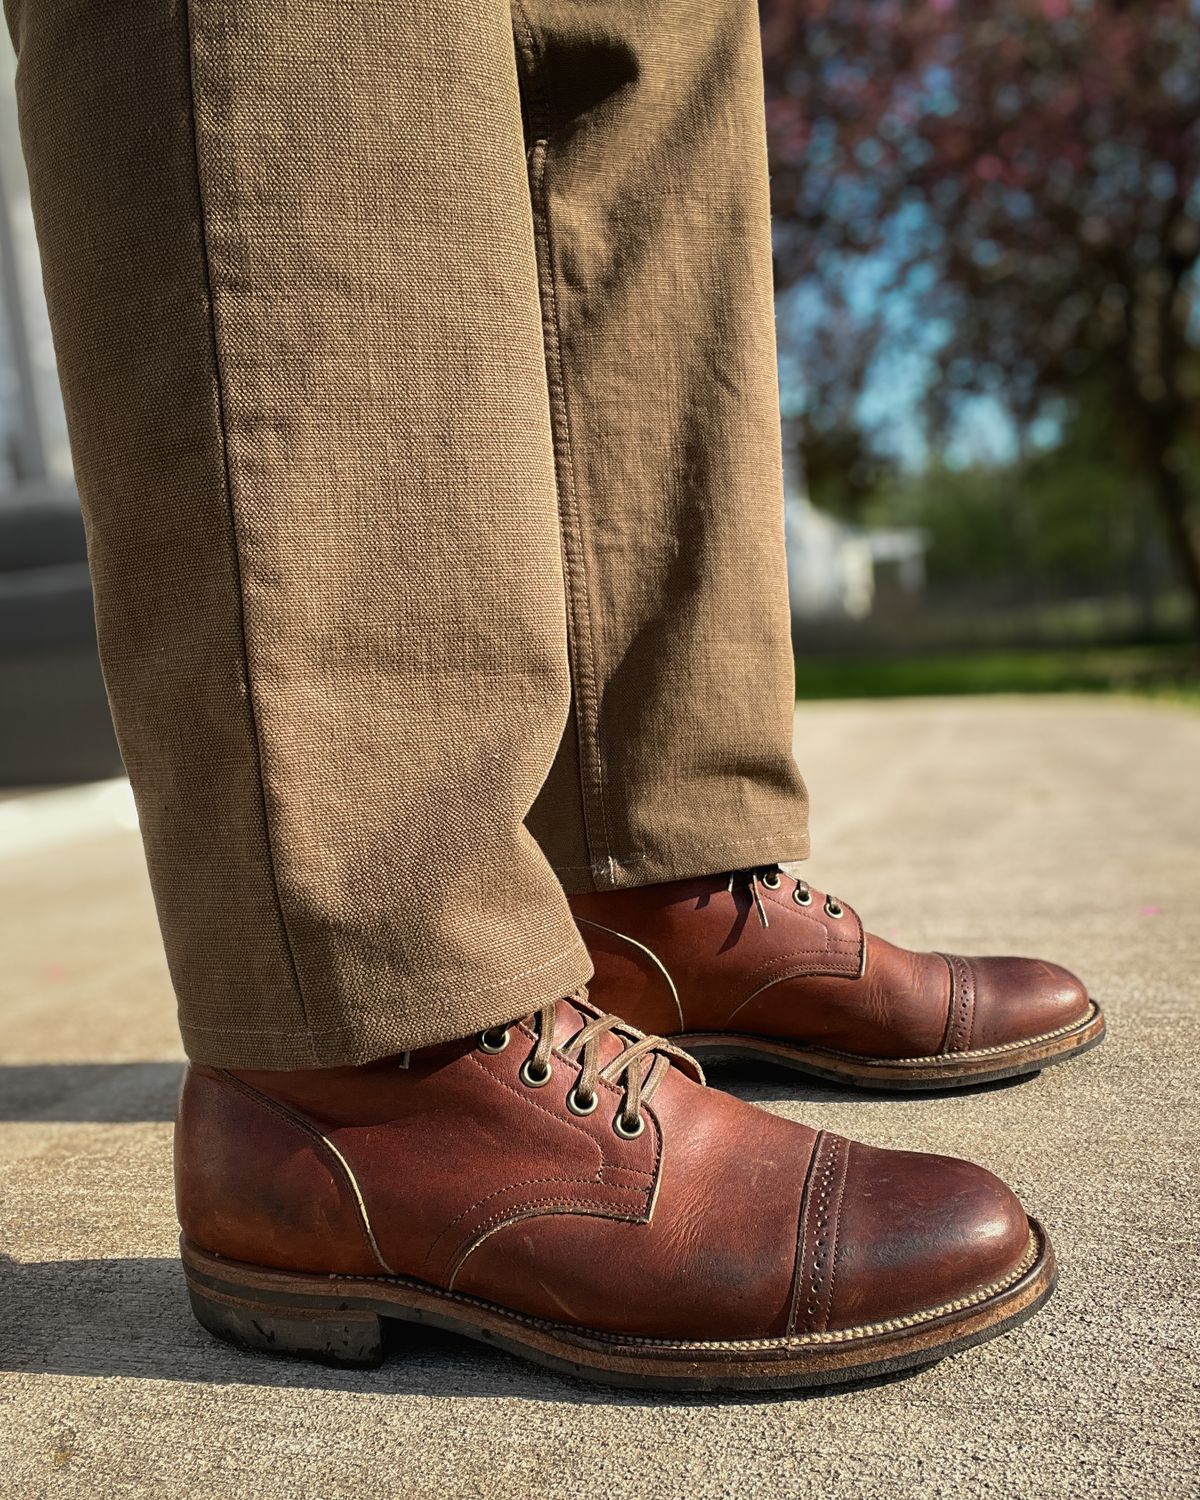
(766,1084)
(129,1319)
(98,1093)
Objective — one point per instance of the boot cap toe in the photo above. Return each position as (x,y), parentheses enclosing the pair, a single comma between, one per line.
(917,1232)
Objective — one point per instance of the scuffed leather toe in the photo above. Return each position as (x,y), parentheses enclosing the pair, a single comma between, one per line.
(1019,998)
(892,1233)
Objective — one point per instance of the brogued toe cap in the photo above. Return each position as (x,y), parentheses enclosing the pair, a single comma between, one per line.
(888,1234)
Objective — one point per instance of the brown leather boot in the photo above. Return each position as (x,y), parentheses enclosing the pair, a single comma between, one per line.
(570,1190)
(759,965)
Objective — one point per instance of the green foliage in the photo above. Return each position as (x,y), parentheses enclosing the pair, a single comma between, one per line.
(1068,521)
(1171,673)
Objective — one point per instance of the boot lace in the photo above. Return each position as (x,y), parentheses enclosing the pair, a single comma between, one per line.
(627,1069)
(771,876)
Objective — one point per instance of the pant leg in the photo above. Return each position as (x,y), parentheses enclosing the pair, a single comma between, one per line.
(291,273)
(649,186)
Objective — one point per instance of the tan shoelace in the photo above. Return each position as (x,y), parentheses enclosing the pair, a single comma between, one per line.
(626,1069)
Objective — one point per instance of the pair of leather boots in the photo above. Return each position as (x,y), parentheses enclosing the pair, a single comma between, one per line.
(569,1188)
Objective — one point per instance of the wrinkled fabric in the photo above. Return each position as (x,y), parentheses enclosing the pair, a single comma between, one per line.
(418,359)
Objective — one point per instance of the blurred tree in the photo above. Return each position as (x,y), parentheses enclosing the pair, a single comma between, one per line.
(1025,179)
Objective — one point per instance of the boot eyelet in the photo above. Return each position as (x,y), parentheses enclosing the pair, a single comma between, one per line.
(576,1105)
(626,1133)
(771,881)
(533,1080)
(494,1041)
(833,908)
(802,897)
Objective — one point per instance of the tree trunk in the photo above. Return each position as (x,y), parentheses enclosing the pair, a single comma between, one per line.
(1174,503)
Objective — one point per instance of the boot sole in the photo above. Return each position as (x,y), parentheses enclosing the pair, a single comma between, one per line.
(944,1071)
(338,1320)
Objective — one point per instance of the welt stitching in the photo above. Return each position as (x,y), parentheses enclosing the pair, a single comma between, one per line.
(586,695)
(838,1336)
(941,1057)
(228,483)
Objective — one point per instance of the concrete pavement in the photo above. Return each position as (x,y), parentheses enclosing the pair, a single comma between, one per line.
(1066,827)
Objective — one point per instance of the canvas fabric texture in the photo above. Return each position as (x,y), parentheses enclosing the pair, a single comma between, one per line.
(419,363)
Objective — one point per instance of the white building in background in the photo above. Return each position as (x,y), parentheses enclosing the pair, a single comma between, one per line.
(833,567)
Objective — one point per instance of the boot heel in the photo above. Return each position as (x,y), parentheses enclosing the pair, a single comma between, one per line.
(333,1336)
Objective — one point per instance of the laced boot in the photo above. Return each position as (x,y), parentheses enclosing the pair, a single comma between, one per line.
(758,965)
(571,1190)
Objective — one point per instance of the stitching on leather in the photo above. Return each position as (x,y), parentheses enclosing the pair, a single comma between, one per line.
(340,1165)
(782,958)
(820,1270)
(801,1259)
(835,1250)
(796,973)
(609,1168)
(836,945)
(512,1187)
(797,1341)
(961,1021)
(532,1210)
(527,1097)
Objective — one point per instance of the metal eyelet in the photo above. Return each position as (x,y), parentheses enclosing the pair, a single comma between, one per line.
(833,909)
(533,1080)
(771,881)
(624,1132)
(577,1107)
(802,897)
(490,1042)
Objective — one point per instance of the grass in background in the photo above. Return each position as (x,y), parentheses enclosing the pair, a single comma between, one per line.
(1169,672)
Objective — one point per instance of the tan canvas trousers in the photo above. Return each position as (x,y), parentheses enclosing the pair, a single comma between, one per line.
(419,361)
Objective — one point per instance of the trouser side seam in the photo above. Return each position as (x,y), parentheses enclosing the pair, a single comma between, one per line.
(229,487)
(581,637)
